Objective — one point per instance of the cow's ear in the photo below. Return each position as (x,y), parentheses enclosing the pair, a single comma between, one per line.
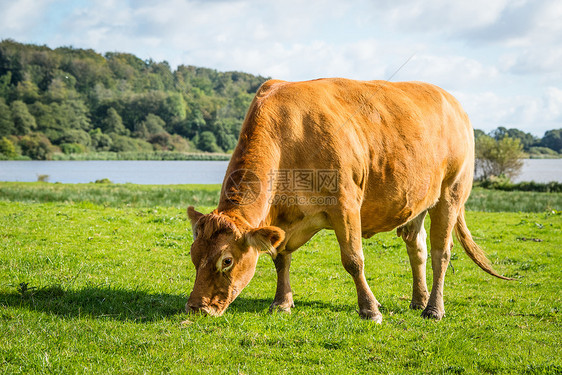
(265,239)
(194,216)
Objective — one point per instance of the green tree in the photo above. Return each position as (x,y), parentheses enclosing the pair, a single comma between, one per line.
(7,148)
(154,124)
(100,141)
(127,144)
(6,123)
(27,91)
(208,142)
(5,87)
(113,123)
(498,158)
(553,140)
(36,146)
(24,122)
(76,136)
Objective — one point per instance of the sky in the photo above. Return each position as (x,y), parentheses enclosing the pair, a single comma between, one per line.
(501,58)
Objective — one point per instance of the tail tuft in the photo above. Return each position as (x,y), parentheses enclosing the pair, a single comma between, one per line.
(472,249)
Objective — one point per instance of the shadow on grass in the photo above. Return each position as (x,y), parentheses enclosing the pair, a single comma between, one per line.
(257,305)
(97,302)
(128,305)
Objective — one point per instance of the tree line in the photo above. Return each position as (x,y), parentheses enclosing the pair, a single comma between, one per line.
(72,101)
(75,101)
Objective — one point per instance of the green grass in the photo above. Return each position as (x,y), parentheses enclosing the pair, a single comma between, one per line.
(100,288)
(155,155)
(117,195)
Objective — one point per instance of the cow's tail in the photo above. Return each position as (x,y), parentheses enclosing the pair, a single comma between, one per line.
(471,248)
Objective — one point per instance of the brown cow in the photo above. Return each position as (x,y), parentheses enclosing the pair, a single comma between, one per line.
(356,157)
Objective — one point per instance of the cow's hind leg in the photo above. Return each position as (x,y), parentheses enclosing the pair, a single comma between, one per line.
(347,227)
(415,237)
(283,296)
(443,218)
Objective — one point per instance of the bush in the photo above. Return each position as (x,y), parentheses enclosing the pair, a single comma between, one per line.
(542,151)
(504,184)
(72,148)
(36,146)
(100,141)
(498,158)
(126,144)
(7,148)
(208,142)
(76,136)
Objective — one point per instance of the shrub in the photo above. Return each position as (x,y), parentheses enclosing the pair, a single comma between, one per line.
(73,148)
(498,158)
(36,146)
(7,148)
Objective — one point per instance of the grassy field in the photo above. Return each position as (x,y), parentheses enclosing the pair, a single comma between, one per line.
(119,195)
(94,278)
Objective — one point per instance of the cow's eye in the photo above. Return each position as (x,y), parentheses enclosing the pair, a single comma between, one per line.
(226,262)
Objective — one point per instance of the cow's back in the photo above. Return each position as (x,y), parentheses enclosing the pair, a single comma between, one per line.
(394,145)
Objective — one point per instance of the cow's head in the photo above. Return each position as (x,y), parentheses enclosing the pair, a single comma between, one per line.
(225,254)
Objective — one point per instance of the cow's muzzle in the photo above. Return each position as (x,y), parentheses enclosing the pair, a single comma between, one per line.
(191,308)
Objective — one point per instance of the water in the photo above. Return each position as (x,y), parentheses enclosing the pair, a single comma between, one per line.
(184,172)
(541,170)
(118,171)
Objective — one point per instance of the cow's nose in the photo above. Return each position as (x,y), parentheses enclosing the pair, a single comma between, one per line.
(192,308)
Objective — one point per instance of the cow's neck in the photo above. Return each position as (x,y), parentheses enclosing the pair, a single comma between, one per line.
(246,189)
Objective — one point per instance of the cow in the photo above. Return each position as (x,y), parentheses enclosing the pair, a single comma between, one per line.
(356,157)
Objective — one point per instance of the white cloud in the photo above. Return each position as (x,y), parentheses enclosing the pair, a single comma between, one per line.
(18,18)
(488,110)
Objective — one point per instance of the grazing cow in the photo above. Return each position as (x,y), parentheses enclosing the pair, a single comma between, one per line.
(358,157)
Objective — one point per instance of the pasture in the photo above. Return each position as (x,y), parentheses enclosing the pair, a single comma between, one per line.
(94,279)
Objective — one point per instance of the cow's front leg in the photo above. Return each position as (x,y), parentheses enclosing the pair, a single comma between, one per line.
(283,296)
(348,233)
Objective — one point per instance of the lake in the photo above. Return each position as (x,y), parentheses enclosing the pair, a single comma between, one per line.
(184,172)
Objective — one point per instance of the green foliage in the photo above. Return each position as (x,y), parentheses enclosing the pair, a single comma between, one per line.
(100,141)
(75,89)
(553,140)
(208,142)
(91,287)
(36,146)
(113,123)
(6,122)
(7,148)
(121,143)
(77,137)
(24,122)
(72,148)
(507,185)
(148,155)
(498,157)
(538,152)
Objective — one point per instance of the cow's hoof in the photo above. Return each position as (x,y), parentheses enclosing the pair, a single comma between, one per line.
(375,316)
(282,308)
(417,305)
(431,312)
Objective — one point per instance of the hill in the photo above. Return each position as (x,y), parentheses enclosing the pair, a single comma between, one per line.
(74,101)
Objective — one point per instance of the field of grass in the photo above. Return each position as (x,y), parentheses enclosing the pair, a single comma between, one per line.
(118,195)
(94,279)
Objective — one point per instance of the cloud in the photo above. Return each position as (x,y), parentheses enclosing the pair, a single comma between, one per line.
(19,18)
(488,110)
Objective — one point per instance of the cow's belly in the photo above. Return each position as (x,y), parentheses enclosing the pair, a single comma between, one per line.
(385,209)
